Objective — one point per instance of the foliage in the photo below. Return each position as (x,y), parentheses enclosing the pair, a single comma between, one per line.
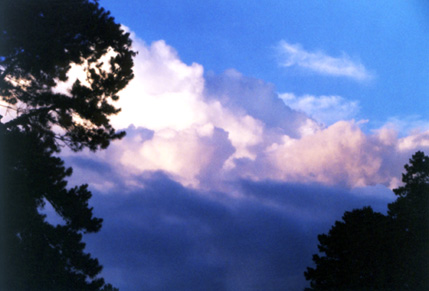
(353,248)
(109,287)
(39,255)
(410,213)
(372,251)
(40,41)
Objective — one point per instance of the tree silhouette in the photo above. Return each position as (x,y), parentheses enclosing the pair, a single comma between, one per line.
(410,215)
(355,254)
(40,41)
(38,255)
(371,251)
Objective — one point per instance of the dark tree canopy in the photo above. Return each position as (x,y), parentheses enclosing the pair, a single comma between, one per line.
(39,41)
(37,255)
(410,213)
(355,254)
(372,251)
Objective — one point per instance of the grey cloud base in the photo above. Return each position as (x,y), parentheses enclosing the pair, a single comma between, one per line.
(169,237)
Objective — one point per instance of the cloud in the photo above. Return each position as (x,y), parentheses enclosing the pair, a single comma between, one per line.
(256,98)
(325,109)
(344,154)
(207,130)
(418,140)
(165,92)
(408,124)
(166,96)
(166,236)
(184,154)
(318,62)
(219,184)
(341,154)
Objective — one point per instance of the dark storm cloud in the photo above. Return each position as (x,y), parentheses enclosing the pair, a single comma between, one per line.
(168,237)
(90,165)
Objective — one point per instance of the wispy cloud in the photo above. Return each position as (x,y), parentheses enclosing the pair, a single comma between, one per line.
(325,109)
(408,124)
(319,62)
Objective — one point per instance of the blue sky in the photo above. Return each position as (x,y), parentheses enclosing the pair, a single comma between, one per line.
(388,38)
(251,127)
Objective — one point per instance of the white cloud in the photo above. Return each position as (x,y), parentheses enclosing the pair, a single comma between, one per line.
(165,92)
(166,96)
(343,154)
(344,66)
(408,124)
(205,130)
(339,154)
(183,154)
(325,109)
(411,142)
(253,97)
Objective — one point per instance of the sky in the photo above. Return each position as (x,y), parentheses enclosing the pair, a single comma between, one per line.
(252,126)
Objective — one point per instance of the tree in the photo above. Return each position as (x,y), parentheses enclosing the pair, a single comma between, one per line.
(410,216)
(355,254)
(109,287)
(38,255)
(372,251)
(40,40)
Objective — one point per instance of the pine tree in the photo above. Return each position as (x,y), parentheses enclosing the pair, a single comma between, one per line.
(40,40)
(372,251)
(410,216)
(36,254)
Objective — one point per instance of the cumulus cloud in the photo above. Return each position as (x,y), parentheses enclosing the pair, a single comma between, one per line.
(219,184)
(344,154)
(183,154)
(341,153)
(256,98)
(167,97)
(408,124)
(319,62)
(165,92)
(325,109)
(411,142)
(207,130)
